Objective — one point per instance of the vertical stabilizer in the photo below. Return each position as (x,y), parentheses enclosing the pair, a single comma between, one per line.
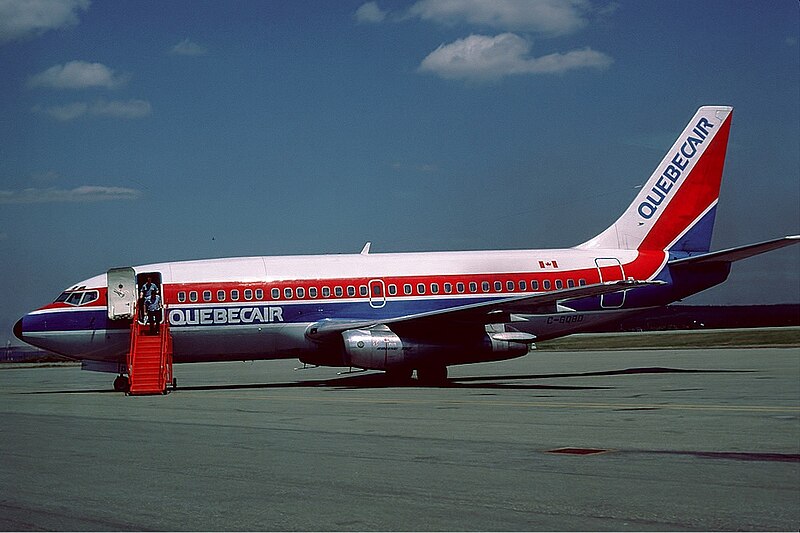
(675,208)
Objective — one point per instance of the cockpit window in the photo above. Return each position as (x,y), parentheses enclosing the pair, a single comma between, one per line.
(62,297)
(74,298)
(78,297)
(89,297)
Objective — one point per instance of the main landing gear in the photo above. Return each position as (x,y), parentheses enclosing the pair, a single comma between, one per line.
(121,384)
(427,376)
(432,376)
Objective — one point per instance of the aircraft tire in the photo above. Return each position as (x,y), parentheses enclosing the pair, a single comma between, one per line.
(121,384)
(432,375)
(399,376)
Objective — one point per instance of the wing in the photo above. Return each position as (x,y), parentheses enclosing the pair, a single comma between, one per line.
(480,313)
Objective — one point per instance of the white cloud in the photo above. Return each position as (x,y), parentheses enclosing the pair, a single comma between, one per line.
(370,12)
(63,112)
(126,109)
(188,48)
(78,75)
(84,193)
(553,17)
(20,19)
(480,57)
(121,108)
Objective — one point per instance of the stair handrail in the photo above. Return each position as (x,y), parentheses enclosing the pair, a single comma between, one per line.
(166,348)
(134,337)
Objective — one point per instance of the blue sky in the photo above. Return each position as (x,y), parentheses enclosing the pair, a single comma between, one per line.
(134,131)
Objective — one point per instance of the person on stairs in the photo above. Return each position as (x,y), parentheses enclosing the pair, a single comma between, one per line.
(154,313)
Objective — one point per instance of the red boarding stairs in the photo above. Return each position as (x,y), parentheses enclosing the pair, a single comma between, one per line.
(149,359)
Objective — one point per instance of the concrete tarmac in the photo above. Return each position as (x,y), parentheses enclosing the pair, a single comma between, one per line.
(682,439)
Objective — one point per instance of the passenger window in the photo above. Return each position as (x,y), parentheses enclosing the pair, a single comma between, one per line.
(235,294)
(221,296)
(448,288)
(510,286)
(248,294)
(301,292)
(312,292)
(546,284)
(420,288)
(392,289)
(259,294)
(559,284)
(89,297)
(276,293)
(498,286)
(287,293)
(182,296)
(570,283)
(193,296)
(351,291)
(362,290)
(206,296)
(581,282)
(523,286)
(473,286)
(534,285)
(460,287)
(485,286)
(326,292)
(338,292)
(407,288)
(434,288)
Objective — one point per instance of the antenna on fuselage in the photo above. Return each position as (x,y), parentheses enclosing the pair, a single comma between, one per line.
(365,249)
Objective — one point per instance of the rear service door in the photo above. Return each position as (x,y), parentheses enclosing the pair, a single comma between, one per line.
(610,270)
(121,293)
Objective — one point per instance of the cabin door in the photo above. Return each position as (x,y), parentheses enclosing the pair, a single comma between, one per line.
(121,293)
(610,269)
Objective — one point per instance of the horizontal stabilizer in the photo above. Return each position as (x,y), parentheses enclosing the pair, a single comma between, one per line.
(738,253)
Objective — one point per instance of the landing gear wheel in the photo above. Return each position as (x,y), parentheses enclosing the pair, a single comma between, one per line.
(399,376)
(432,375)
(121,384)
(174,383)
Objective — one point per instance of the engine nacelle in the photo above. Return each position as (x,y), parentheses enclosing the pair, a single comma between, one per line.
(376,348)
(379,348)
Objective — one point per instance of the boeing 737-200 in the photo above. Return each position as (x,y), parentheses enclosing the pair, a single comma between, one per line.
(400,312)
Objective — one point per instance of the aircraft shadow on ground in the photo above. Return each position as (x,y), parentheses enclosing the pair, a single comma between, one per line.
(376,380)
(379,380)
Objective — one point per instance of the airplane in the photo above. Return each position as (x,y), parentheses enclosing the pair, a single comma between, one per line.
(406,312)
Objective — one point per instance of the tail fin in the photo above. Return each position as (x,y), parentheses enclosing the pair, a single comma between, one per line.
(675,208)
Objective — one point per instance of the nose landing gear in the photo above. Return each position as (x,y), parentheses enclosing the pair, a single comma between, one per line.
(121,384)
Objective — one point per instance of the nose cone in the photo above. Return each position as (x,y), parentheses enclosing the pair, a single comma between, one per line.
(18,330)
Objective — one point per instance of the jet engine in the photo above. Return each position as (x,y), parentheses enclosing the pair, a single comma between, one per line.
(380,348)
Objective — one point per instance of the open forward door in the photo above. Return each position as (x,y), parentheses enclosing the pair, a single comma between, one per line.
(121,293)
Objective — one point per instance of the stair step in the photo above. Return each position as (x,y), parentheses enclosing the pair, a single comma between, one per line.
(151,360)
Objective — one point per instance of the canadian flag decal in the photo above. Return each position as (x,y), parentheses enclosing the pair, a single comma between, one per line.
(548,264)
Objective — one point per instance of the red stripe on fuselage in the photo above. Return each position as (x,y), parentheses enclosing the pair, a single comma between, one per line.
(644,266)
